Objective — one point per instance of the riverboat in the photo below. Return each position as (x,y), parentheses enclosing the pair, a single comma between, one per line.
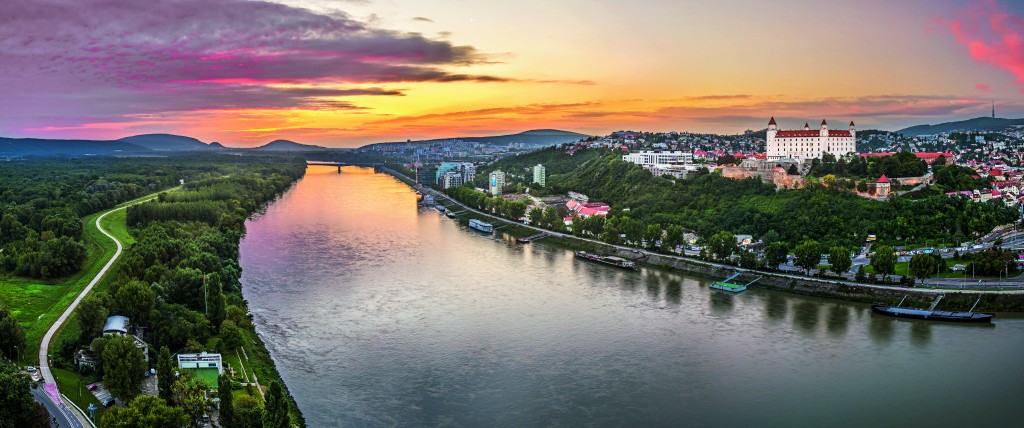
(481,226)
(608,260)
(931,314)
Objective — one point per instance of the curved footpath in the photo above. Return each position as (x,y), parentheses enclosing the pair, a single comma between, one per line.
(44,347)
(712,264)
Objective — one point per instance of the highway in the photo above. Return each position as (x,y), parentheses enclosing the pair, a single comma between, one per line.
(63,415)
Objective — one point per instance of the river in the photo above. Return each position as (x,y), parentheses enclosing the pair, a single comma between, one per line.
(380,314)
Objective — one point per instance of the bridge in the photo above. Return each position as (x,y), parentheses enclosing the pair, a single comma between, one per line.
(339,164)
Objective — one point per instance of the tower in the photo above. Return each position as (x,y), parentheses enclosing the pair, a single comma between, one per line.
(772,128)
(993,109)
(824,128)
(853,131)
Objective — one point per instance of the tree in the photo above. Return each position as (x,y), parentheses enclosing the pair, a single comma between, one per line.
(861,275)
(123,367)
(215,297)
(808,255)
(92,314)
(722,245)
(673,238)
(144,411)
(536,215)
(135,300)
(17,408)
(792,170)
(275,412)
(775,254)
(230,336)
(884,261)
(652,234)
(828,180)
(769,237)
(12,337)
(189,394)
(164,373)
(922,266)
(748,260)
(839,258)
(227,409)
(247,413)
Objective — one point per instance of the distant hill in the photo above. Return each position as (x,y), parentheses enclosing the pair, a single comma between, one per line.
(40,147)
(217,145)
(168,142)
(984,124)
(291,146)
(535,138)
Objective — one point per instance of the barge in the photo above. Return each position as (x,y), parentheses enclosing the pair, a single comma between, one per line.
(608,260)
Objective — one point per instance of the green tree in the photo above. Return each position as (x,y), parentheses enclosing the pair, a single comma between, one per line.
(922,266)
(808,255)
(536,215)
(12,337)
(275,412)
(749,260)
(217,312)
(652,234)
(722,245)
(227,408)
(673,238)
(770,237)
(230,336)
(92,314)
(189,394)
(884,261)
(839,258)
(775,254)
(123,367)
(861,275)
(17,408)
(135,300)
(247,413)
(145,411)
(165,373)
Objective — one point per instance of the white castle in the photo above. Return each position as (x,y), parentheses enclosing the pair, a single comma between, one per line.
(809,144)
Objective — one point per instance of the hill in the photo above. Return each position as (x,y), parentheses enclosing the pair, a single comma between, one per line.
(167,142)
(288,146)
(40,147)
(534,138)
(984,124)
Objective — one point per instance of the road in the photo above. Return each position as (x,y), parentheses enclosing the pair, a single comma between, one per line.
(44,347)
(60,412)
(440,196)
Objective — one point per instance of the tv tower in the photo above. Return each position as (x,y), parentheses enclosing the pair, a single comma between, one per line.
(993,109)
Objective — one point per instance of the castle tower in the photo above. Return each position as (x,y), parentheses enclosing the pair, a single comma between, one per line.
(772,129)
(824,128)
(807,127)
(853,131)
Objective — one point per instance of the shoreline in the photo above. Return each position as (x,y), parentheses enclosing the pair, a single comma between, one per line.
(1006,301)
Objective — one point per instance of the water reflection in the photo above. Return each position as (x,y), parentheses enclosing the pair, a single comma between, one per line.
(721,302)
(674,290)
(776,306)
(838,320)
(805,315)
(881,328)
(920,333)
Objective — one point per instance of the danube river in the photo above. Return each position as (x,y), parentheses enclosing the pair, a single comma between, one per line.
(380,314)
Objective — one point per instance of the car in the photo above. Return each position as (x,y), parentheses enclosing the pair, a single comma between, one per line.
(108,402)
(92,386)
(30,369)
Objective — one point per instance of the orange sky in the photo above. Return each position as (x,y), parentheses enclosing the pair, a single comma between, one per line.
(371,71)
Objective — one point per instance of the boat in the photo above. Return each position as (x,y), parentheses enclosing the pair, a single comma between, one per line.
(450,214)
(732,287)
(528,239)
(481,226)
(428,200)
(608,260)
(439,207)
(931,314)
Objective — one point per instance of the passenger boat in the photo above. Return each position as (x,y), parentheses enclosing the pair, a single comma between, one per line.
(450,214)
(931,314)
(428,200)
(608,260)
(481,226)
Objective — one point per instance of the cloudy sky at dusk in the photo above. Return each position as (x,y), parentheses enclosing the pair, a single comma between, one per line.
(350,72)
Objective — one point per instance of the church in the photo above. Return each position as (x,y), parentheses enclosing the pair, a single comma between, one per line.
(805,144)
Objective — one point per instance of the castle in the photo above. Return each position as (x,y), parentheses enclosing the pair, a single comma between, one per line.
(805,144)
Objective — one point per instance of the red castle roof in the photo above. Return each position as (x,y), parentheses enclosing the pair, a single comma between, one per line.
(772,122)
(823,123)
(883,179)
(811,133)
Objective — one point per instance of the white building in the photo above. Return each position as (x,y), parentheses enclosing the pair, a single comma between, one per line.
(807,144)
(657,157)
(451,179)
(496,182)
(540,175)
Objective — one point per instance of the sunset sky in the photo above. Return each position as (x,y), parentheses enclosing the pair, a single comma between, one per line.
(346,73)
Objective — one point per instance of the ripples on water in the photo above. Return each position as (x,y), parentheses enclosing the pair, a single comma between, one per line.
(382,315)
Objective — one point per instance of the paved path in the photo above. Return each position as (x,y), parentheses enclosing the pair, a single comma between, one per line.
(442,196)
(60,412)
(44,347)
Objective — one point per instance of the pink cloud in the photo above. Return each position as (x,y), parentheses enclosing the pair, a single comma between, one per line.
(991,34)
(983,87)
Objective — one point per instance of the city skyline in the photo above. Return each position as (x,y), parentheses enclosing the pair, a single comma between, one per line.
(348,73)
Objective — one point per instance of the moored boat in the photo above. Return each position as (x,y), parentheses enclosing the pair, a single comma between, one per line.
(732,287)
(933,315)
(608,260)
(481,226)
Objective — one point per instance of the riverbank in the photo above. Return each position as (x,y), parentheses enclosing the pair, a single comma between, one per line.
(992,301)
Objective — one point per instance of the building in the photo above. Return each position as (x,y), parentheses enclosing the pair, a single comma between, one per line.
(658,157)
(450,179)
(426,175)
(119,325)
(540,175)
(882,187)
(496,182)
(806,144)
(206,367)
(465,169)
(587,209)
